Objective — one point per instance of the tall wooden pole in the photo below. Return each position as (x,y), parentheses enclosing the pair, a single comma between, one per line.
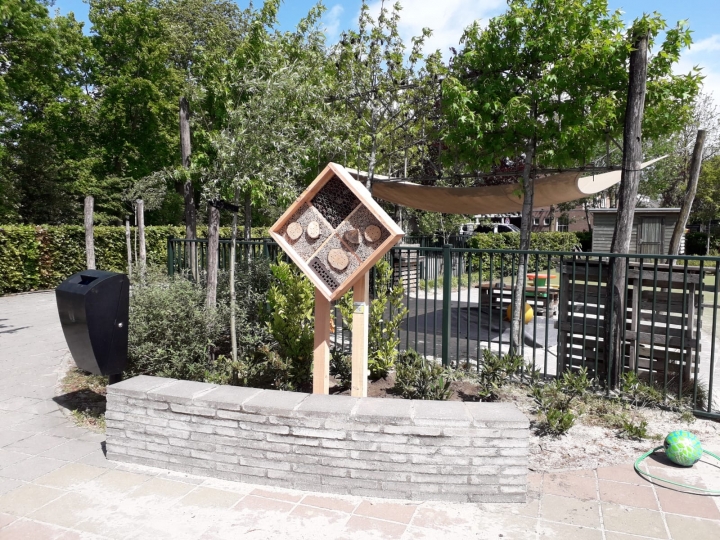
(89,237)
(141,234)
(212,254)
(321,353)
(361,317)
(690,192)
(128,243)
(615,313)
(233,257)
(187,188)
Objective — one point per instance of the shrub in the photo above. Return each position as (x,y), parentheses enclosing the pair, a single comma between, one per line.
(554,401)
(291,322)
(40,257)
(341,367)
(585,240)
(171,331)
(416,378)
(495,372)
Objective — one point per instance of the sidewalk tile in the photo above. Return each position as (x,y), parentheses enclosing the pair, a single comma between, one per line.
(67,511)
(31,468)
(6,519)
(37,444)
(329,503)
(443,518)
(320,517)
(210,498)
(559,531)
(401,513)
(30,530)
(633,520)
(570,485)
(628,495)
(27,498)
(358,525)
(689,504)
(69,476)
(621,473)
(279,495)
(570,511)
(72,450)
(263,505)
(688,528)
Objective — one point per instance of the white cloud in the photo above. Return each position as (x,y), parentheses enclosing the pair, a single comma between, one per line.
(331,22)
(704,55)
(446,18)
(707,45)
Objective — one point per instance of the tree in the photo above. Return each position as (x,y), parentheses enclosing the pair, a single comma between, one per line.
(706,207)
(545,85)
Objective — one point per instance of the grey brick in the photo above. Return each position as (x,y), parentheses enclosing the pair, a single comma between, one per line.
(501,443)
(274,402)
(193,462)
(440,413)
(146,420)
(390,476)
(192,409)
(318,452)
(321,470)
(378,456)
(148,404)
(469,452)
(267,428)
(383,411)
(114,415)
(242,416)
(288,439)
(498,461)
(349,445)
(266,463)
(138,386)
(168,432)
(498,498)
(181,392)
(414,450)
(445,442)
(146,438)
(349,463)
(350,483)
(228,398)
(148,455)
(378,492)
(440,478)
(427,431)
(379,437)
(326,406)
(346,425)
(318,433)
(515,452)
(513,489)
(434,459)
(518,480)
(496,415)
(255,472)
(213,456)
(293,458)
(416,487)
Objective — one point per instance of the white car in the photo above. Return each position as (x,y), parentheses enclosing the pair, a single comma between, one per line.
(473,228)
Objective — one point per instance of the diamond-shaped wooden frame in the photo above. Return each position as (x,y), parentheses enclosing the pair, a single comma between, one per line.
(395,233)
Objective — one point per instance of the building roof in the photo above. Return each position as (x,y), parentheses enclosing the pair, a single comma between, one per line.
(637,210)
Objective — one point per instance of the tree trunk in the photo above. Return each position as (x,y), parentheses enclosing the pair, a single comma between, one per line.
(692,184)
(89,237)
(587,217)
(212,255)
(187,188)
(707,240)
(518,304)
(233,329)
(141,233)
(248,217)
(626,200)
(129,246)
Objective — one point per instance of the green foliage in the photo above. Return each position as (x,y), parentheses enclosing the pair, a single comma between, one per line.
(341,367)
(585,240)
(386,313)
(172,333)
(291,320)
(40,257)
(556,399)
(495,372)
(542,241)
(635,429)
(417,378)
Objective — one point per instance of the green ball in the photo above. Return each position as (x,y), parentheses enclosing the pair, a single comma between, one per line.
(683,448)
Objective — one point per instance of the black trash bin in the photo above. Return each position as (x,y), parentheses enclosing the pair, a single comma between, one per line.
(93,307)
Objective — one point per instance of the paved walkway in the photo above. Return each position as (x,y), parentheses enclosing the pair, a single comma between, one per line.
(55,482)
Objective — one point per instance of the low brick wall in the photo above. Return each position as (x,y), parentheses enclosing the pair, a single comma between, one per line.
(393,448)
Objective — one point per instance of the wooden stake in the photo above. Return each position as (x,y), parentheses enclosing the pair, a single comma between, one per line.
(187,190)
(141,233)
(690,192)
(89,238)
(361,317)
(129,245)
(212,254)
(321,354)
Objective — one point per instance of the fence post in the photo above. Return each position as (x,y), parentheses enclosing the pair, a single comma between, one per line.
(170,258)
(447,294)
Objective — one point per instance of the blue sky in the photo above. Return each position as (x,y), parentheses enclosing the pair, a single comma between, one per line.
(448,18)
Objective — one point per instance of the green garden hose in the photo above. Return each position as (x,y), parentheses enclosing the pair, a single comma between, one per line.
(646,454)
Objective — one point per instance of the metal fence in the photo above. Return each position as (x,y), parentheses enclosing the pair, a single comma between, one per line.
(458,298)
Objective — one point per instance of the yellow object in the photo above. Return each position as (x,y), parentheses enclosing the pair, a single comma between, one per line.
(529,313)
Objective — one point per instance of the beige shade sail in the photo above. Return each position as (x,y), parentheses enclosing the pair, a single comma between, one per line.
(550,190)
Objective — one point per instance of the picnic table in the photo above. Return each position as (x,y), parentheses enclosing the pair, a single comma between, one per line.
(498,295)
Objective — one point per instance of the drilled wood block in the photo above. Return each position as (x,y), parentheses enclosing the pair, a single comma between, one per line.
(304,243)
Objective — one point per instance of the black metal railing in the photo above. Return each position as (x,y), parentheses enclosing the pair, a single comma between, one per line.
(458,299)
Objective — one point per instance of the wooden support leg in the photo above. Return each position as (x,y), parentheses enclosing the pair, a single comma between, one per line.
(321,355)
(361,296)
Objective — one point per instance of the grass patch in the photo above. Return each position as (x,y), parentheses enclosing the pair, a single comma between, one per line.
(84,395)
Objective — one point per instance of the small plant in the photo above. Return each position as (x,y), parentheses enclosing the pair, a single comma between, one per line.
(416,378)
(555,401)
(341,367)
(635,429)
(495,372)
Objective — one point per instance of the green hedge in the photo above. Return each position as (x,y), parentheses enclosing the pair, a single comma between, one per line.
(39,257)
(503,263)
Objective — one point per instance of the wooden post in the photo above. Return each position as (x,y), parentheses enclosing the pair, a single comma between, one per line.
(141,234)
(89,238)
(129,245)
(321,354)
(361,317)
(233,257)
(212,254)
(615,313)
(695,164)
(187,189)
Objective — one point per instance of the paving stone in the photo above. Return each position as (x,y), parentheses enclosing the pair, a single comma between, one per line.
(66,511)
(570,485)
(621,473)
(631,520)
(688,528)
(401,513)
(689,504)
(210,498)
(251,503)
(72,450)
(31,468)
(359,525)
(330,503)
(161,490)
(27,498)
(30,530)
(628,494)
(11,436)
(570,511)
(280,495)
(567,532)
(69,476)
